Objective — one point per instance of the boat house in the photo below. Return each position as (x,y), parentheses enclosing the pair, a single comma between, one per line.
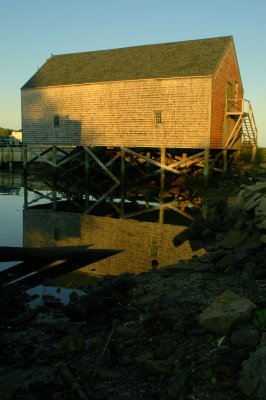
(185,96)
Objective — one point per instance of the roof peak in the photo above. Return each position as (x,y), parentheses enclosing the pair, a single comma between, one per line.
(143,45)
(198,57)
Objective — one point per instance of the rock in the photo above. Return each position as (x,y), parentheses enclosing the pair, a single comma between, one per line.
(6,393)
(107,374)
(227,310)
(207,234)
(181,237)
(214,223)
(163,351)
(197,226)
(263,340)
(233,238)
(263,239)
(143,357)
(96,342)
(125,359)
(245,337)
(260,210)
(253,374)
(147,300)
(177,385)
(125,331)
(227,261)
(155,366)
(249,270)
(262,225)
(217,255)
(73,342)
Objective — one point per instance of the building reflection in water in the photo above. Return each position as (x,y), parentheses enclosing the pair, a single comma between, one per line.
(145,244)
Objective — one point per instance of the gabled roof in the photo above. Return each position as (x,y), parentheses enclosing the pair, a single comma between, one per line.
(178,59)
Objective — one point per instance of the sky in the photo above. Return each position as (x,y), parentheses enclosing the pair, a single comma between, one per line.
(32,30)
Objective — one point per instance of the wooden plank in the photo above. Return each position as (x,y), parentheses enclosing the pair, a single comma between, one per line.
(150,160)
(102,197)
(235,130)
(102,165)
(69,265)
(69,157)
(8,253)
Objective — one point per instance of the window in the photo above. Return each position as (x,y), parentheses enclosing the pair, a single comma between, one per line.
(158,117)
(56,121)
(236,92)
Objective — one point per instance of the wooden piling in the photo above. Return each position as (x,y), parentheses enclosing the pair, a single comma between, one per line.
(162,180)
(123,174)
(206,171)
(225,165)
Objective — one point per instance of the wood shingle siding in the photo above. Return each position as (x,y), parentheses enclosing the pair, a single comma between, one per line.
(227,71)
(120,113)
(109,98)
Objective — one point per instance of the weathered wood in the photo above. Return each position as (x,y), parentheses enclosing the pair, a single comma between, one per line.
(225,161)
(206,171)
(123,177)
(69,264)
(162,180)
(103,197)
(150,160)
(8,253)
(234,132)
(102,165)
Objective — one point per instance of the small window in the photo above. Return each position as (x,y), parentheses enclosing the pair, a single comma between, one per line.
(56,121)
(236,92)
(158,117)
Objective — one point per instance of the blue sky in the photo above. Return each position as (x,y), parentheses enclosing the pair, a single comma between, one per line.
(32,29)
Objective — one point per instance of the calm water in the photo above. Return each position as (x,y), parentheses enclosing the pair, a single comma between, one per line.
(29,217)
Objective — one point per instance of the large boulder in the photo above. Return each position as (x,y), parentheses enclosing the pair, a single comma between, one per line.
(253,374)
(225,312)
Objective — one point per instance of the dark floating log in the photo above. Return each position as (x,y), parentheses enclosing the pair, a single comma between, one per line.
(36,253)
(33,271)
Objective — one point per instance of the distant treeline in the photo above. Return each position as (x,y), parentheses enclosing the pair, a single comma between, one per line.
(5,131)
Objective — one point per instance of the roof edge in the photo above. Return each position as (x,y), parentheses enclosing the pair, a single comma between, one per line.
(115,81)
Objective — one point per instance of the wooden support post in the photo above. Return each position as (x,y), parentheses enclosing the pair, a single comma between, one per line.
(123,174)
(161,215)
(162,181)
(87,166)
(10,162)
(54,155)
(254,153)
(24,159)
(2,156)
(225,160)
(25,188)
(54,159)
(206,171)
(204,211)
(54,195)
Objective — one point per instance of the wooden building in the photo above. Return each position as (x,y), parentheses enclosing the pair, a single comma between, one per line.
(183,95)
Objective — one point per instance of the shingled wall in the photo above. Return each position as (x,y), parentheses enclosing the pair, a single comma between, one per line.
(120,113)
(228,70)
(141,241)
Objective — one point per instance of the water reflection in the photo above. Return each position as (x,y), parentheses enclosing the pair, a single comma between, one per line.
(50,219)
(142,242)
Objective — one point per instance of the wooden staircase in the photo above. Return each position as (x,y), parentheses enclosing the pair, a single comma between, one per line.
(245,127)
(249,129)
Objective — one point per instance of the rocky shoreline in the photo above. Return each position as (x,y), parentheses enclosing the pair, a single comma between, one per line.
(195,330)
